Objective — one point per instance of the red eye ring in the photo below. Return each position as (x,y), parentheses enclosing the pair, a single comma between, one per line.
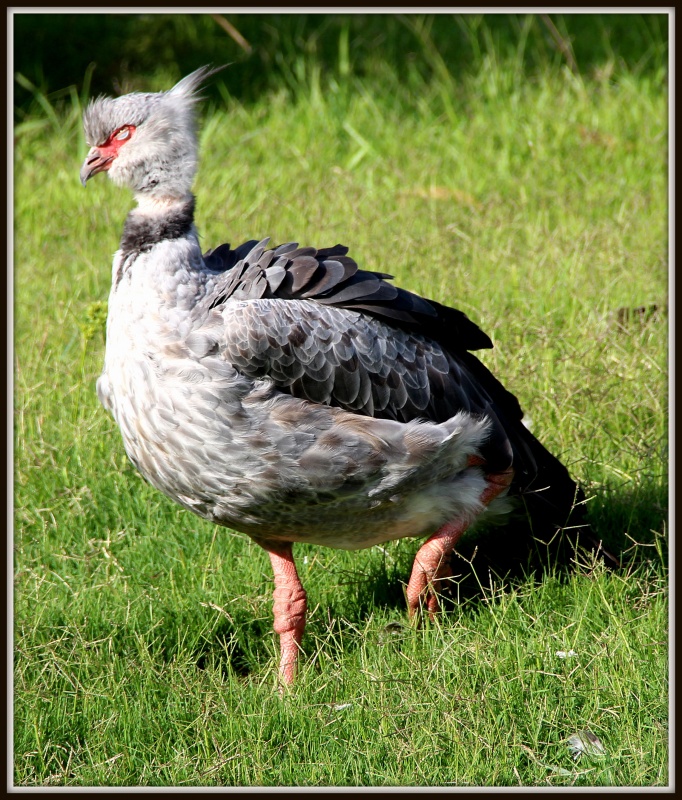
(119,136)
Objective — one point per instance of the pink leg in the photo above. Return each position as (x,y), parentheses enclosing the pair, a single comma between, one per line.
(431,565)
(289,609)
(432,562)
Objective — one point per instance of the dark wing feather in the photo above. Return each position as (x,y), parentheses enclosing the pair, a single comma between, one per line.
(337,356)
(329,276)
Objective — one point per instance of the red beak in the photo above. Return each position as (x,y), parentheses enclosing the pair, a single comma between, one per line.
(95,162)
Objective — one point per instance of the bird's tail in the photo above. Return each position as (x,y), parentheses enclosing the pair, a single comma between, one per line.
(551,523)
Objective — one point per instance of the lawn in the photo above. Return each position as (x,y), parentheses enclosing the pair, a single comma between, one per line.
(144,653)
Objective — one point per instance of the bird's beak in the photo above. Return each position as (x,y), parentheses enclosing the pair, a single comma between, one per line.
(95,162)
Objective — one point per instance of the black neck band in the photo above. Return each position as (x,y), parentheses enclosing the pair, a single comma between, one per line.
(141,233)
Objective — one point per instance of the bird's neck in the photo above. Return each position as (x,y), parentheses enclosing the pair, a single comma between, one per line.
(158,273)
(156,220)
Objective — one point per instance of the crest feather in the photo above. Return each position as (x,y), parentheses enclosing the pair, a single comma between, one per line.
(188,87)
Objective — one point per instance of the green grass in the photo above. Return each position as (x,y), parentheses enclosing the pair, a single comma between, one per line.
(144,650)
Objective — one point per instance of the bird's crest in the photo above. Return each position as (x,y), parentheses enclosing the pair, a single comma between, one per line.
(188,87)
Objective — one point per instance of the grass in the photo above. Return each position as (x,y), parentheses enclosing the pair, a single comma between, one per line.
(143,645)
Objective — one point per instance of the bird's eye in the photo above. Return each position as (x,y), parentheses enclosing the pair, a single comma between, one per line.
(124,133)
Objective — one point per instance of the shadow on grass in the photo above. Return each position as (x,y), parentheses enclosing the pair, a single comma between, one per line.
(631,525)
(225,652)
(634,523)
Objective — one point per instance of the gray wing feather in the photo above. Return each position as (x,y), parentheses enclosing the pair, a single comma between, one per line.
(326,331)
(338,357)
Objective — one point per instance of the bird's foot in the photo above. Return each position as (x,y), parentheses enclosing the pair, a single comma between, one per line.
(290,610)
(432,568)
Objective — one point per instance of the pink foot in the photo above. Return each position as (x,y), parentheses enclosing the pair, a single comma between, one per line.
(289,609)
(431,567)
(432,562)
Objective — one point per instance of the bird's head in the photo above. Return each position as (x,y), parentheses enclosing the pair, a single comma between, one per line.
(146,141)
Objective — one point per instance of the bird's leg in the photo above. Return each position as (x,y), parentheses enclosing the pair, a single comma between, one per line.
(432,565)
(289,608)
(432,562)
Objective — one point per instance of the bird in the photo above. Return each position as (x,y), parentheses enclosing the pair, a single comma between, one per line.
(287,394)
